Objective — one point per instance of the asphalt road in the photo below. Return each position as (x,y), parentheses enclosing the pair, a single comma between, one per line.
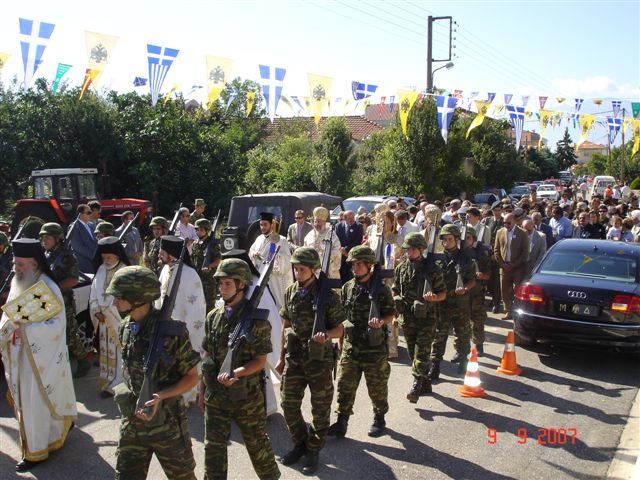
(443,436)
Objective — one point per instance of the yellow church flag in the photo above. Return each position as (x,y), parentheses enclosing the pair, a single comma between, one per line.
(406,99)
(546,118)
(90,77)
(636,137)
(560,99)
(586,122)
(482,107)
(626,123)
(251,98)
(218,74)
(4,57)
(319,89)
(175,87)
(100,49)
(557,117)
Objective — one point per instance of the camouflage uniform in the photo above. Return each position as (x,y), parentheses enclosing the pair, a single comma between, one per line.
(63,266)
(482,257)
(249,414)
(198,252)
(300,371)
(194,217)
(357,356)
(152,256)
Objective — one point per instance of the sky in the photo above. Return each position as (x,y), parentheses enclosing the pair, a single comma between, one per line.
(573,49)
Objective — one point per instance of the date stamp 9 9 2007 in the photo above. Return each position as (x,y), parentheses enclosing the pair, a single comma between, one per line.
(543,436)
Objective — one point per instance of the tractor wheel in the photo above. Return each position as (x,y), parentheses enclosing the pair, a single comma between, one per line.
(40,214)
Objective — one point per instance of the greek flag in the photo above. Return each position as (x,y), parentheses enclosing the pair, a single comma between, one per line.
(616,104)
(160,61)
(516,115)
(614,125)
(362,90)
(579,104)
(34,38)
(525,100)
(446,107)
(272,80)
(507,98)
(491,96)
(232,96)
(139,82)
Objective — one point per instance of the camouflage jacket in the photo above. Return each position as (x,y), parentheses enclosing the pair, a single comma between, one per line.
(152,256)
(355,299)
(448,262)
(194,217)
(408,283)
(199,251)
(482,258)
(218,328)
(63,265)
(179,356)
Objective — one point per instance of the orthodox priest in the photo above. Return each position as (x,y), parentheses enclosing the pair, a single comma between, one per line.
(318,237)
(34,351)
(264,248)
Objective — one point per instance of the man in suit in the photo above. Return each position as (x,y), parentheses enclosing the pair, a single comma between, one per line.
(297,231)
(494,224)
(83,243)
(512,252)
(537,245)
(543,228)
(350,234)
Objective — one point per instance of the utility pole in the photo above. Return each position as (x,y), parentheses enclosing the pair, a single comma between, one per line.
(430,59)
(622,151)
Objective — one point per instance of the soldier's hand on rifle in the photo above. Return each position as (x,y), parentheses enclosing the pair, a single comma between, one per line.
(430,297)
(321,337)
(226,379)
(376,323)
(460,291)
(280,366)
(153,404)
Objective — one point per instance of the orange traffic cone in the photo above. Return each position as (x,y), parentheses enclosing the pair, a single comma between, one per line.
(508,366)
(471,387)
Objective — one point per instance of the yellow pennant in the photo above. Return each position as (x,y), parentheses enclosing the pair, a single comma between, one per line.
(251,98)
(4,57)
(560,99)
(497,108)
(597,101)
(218,74)
(175,87)
(636,137)
(546,117)
(100,49)
(365,104)
(406,99)
(483,108)
(586,122)
(90,77)
(319,90)
(626,123)
(557,117)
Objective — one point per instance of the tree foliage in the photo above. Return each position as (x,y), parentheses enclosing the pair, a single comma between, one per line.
(565,152)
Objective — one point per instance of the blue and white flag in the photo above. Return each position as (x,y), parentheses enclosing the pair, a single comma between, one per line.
(298,102)
(272,80)
(579,103)
(446,107)
(616,104)
(525,100)
(507,98)
(232,96)
(193,89)
(614,125)
(516,115)
(491,96)
(362,90)
(139,82)
(392,103)
(34,38)
(160,61)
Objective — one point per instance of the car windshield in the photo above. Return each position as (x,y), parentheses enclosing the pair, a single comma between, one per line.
(520,190)
(353,205)
(546,188)
(620,267)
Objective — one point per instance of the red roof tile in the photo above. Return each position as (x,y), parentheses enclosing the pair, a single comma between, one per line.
(359,127)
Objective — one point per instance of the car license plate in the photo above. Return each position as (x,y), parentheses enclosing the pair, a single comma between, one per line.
(579,309)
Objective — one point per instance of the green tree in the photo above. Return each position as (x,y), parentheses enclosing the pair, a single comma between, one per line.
(565,152)
(333,149)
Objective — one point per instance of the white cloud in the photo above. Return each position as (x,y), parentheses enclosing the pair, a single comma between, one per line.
(592,87)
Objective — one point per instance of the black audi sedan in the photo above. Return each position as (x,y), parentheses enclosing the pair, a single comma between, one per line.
(583,292)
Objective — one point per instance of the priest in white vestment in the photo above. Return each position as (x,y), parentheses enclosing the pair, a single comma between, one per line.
(35,356)
(317,237)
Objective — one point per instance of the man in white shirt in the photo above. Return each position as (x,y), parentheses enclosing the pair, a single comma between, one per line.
(404,225)
(184,229)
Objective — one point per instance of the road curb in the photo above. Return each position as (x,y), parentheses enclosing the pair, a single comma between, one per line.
(626,462)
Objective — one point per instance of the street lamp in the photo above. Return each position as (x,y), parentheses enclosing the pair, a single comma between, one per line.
(448,66)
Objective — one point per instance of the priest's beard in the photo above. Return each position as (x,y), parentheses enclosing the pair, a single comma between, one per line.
(24,280)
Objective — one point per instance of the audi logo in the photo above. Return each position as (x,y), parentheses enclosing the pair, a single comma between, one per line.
(576,294)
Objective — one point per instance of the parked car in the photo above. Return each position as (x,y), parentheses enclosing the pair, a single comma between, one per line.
(368,202)
(518,191)
(583,292)
(556,182)
(548,192)
(600,183)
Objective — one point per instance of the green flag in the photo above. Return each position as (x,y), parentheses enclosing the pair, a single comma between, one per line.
(62,69)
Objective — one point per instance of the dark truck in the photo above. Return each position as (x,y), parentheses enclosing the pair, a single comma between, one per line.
(243,226)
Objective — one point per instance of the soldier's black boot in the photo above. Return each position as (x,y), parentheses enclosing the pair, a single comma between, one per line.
(311,464)
(339,429)
(434,371)
(378,426)
(416,388)
(294,455)
(426,387)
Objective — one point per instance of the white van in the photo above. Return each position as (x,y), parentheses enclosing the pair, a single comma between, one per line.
(600,183)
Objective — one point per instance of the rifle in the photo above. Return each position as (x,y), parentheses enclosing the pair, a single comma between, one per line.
(461,247)
(431,247)
(174,221)
(71,230)
(12,273)
(242,330)
(375,336)
(125,231)
(325,284)
(165,327)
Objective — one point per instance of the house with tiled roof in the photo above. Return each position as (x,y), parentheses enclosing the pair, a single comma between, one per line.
(359,127)
(586,151)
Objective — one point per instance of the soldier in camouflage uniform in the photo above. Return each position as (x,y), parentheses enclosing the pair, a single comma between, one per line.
(164,431)
(482,256)
(455,309)
(239,397)
(364,348)
(64,267)
(159,227)
(418,310)
(298,369)
(201,249)
(104,229)
(198,211)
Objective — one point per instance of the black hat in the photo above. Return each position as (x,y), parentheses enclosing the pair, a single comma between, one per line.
(109,245)
(173,246)
(266,216)
(31,248)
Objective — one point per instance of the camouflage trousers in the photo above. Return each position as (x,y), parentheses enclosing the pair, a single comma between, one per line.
(317,375)
(251,418)
(210,289)
(376,371)
(478,317)
(453,311)
(419,335)
(75,345)
(170,442)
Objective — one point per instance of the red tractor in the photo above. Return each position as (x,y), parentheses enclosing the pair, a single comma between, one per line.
(55,193)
